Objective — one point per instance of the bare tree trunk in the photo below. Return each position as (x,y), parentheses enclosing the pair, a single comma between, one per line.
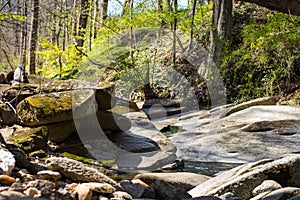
(221,27)
(192,23)
(104,6)
(23,37)
(83,18)
(34,37)
(174,31)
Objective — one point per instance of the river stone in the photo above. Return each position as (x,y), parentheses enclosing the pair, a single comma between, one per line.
(7,162)
(84,192)
(267,185)
(78,171)
(242,180)
(172,185)
(30,139)
(49,175)
(100,187)
(56,107)
(7,115)
(104,92)
(282,193)
(6,180)
(254,102)
(121,195)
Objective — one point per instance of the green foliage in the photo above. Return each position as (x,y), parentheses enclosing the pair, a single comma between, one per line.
(57,63)
(266,62)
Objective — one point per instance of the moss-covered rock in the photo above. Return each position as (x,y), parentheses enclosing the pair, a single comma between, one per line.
(30,139)
(104,92)
(56,107)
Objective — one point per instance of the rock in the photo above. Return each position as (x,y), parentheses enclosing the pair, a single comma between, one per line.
(49,175)
(283,193)
(12,195)
(242,180)
(49,108)
(60,131)
(41,184)
(249,135)
(8,115)
(266,186)
(254,102)
(134,189)
(30,139)
(25,176)
(7,162)
(78,171)
(121,195)
(22,159)
(2,78)
(172,185)
(104,93)
(19,187)
(32,192)
(84,192)
(6,180)
(133,143)
(20,75)
(297,197)
(100,187)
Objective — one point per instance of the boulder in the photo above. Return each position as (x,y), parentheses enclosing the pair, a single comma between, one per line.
(7,162)
(49,175)
(172,185)
(242,180)
(100,187)
(104,92)
(30,139)
(60,131)
(7,115)
(78,171)
(56,107)
(266,186)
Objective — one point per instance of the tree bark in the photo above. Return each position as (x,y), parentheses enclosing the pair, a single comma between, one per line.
(221,27)
(285,6)
(83,18)
(34,37)
(104,6)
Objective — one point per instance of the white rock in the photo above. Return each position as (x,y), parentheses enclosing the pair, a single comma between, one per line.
(7,162)
(48,174)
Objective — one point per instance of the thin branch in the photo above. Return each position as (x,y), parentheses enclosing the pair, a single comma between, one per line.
(4,5)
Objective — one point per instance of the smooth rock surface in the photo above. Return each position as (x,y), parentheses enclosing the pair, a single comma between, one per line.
(252,134)
(242,180)
(49,175)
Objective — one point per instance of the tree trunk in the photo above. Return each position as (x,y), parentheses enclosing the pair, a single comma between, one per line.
(34,37)
(83,18)
(285,6)
(192,23)
(221,27)
(104,6)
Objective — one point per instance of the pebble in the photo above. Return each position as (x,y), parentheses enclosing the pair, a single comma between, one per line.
(32,192)
(100,187)
(49,175)
(6,180)
(121,195)
(84,192)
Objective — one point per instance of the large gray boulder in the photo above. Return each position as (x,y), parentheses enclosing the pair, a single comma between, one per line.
(242,180)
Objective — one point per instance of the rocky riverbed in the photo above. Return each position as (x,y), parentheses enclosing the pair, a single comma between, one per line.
(75,140)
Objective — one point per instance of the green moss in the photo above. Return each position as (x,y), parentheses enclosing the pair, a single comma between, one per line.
(76,157)
(52,104)
(39,153)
